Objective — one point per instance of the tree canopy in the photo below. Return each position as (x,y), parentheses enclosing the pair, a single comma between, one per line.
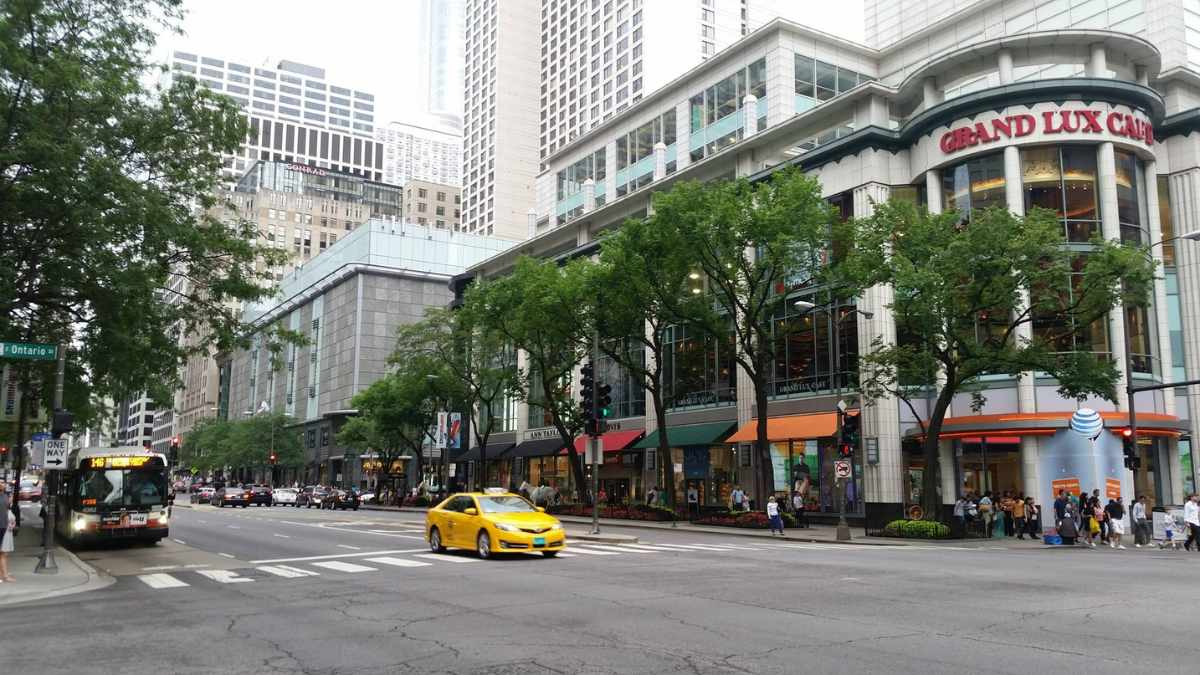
(214,445)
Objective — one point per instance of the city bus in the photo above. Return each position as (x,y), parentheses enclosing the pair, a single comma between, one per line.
(113,494)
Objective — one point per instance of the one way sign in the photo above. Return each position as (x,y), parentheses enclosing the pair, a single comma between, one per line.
(56,454)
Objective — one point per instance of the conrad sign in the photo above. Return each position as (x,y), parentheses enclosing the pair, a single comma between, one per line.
(1049,124)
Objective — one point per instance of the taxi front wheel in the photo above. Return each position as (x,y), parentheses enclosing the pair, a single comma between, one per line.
(484,545)
(435,541)
(549,554)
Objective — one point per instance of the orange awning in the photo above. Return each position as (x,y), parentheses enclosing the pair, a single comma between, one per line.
(792,427)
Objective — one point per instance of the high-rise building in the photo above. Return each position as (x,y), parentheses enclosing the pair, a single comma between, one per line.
(295,115)
(442,61)
(889,21)
(500,149)
(412,152)
(575,63)
(434,204)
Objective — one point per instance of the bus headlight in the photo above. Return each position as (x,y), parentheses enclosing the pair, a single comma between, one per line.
(80,524)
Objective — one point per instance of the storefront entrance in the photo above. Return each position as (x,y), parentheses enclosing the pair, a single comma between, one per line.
(616,490)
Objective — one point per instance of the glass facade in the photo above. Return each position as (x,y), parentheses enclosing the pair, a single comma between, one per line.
(975,184)
(1063,180)
(699,371)
(571,180)
(628,393)
(382,199)
(808,344)
(635,152)
(818,81)
(717,103)
(1128,207)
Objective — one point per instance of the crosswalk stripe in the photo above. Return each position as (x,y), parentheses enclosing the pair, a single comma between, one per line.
(644,547)
(692,547)
(281,572)
(344,566)
(224,576)
(445,558)
(302,572)
(587,551)
(398,562)
(618,549)
(730,547)
(161,581)
(563,554)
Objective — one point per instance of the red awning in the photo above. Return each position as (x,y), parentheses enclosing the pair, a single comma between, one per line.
(614,441)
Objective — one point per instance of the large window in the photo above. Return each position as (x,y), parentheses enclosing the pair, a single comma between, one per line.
(1128,209)
(1061,332)
(1063,180)
(572,178)
(815,350)
(721,100)
(628,392)
(638,145)
(819,81)
(699,371)
(975,184)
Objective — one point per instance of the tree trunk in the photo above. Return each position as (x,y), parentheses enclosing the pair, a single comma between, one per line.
(931,497)
(766,469)
(665,462)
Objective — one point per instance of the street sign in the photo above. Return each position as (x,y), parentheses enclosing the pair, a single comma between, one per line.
(28,350)
(595,450)
(841,468)
(56,453)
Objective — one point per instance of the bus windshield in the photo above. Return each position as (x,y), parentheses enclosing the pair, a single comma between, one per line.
(122,487)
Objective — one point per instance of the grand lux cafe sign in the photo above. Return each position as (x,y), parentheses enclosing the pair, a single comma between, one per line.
(1075,122)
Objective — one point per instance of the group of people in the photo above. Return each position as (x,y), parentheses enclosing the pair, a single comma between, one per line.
(1010,514)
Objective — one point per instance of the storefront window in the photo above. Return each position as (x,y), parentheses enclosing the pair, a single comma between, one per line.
(1138,325)
(808,344)
(975,184)
(699,371)
(538,416)
(1063,180)
(628,392)
(1061,332)
(1127,199)
(1164,220)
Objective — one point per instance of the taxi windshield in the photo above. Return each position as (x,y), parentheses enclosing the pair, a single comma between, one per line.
(506,504)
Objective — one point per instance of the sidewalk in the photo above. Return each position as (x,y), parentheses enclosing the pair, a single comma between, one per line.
(74,575)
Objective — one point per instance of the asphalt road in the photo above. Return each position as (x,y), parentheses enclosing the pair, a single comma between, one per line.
(282,590)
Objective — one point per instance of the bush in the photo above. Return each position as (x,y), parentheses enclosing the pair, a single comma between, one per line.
(415,501)
(916,529)
(746,519)
(619,511)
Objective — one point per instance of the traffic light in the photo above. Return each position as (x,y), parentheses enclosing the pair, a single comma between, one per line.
(173,454)
(3,451)
(62,423)
(851,432)
(604,401)
(587,406)
(1129,448)
(273,459)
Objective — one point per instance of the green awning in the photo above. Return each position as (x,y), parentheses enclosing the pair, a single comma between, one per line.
(692,434)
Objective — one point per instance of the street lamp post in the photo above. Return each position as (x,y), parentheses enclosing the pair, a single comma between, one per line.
(843,528)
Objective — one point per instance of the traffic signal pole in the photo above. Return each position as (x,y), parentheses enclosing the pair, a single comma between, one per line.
(46,563)
(594,441)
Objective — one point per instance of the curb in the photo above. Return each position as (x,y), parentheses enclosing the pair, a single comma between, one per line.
(95,580)
(732,531)
(604,538)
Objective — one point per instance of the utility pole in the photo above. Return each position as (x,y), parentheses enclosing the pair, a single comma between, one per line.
(46,564)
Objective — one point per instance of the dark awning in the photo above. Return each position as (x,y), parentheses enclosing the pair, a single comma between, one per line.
(692,434)
(540,448)
(472,455)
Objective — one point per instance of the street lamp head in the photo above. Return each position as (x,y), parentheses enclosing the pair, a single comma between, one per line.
(803,305)
(1194,235)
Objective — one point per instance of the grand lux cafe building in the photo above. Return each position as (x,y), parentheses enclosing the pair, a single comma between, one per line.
(1087,123)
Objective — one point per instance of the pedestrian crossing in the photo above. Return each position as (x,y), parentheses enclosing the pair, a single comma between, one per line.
(373,562)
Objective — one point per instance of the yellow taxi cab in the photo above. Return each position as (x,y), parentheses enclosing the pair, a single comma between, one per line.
(493,521)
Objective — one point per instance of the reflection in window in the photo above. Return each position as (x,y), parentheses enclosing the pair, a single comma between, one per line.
(819,81)
(1063,180)
(1056,327)
(724,99)
(1127,199)
(1164,219)
(975,184)
(628,392)
(807,345)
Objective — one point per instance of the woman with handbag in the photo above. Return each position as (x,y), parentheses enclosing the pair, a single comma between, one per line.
(7,533)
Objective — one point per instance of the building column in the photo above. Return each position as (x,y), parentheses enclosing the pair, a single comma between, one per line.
(1097,63)
(1185,215)
(1161,328)
(884,481)
(1014,197)
(933,190)
(589,195)
(531,221)
(610,170)
(931,93)
(660,161)
(749,115)
(1110,228)
(1004,64)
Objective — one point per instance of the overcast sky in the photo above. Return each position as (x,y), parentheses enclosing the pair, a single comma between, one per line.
(368,44)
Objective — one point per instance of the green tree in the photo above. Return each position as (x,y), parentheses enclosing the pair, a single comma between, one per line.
(750,244)
(254,438)
(964,294)
(107,235)
(477,358)
(643,270)
(542,308)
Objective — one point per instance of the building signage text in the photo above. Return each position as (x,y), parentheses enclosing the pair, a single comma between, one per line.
(1050,122)
(310,170)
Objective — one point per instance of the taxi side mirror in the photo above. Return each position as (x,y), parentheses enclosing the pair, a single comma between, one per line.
(541,509)
(471,511)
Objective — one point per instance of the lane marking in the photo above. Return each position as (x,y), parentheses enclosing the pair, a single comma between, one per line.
(234,527)
(691,547)
(564,554)
(345,567)
(446,558)
(585,551)
(336,555)
(729,547)
(301,572)
(226,555)
(161,581)
(352,548)
(644,547)
(282,572)
(180,542)
(224,576)
(159,568)
(399,562)
(281,536)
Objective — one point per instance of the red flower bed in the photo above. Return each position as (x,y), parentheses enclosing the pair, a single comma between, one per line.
(634,512)
(747,519)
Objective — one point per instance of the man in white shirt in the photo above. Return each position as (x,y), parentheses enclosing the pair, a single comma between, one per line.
(1191,517)
(1139,522)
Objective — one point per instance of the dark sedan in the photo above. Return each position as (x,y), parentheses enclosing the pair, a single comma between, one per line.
(262,495)
(231,496)
(341,499)
(311,496)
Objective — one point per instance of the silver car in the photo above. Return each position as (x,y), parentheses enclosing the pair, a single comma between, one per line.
(286,496)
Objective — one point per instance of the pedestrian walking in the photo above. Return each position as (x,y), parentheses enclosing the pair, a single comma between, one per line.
(1114,515)
(693,500)
(798,507)
(1170,528)
(960,513)
(1033,518)
(738,498)
(8,529)
(1066,526)
(1085,520)
(1018,515)
(652,496)
(773,517)
(1191,520)
(1007,504)
(987,513)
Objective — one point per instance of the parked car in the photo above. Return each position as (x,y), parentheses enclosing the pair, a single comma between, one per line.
(232,496)
(202,495)
(366,497)
(340,499)
(285,496)
(311,496)
(261,495)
